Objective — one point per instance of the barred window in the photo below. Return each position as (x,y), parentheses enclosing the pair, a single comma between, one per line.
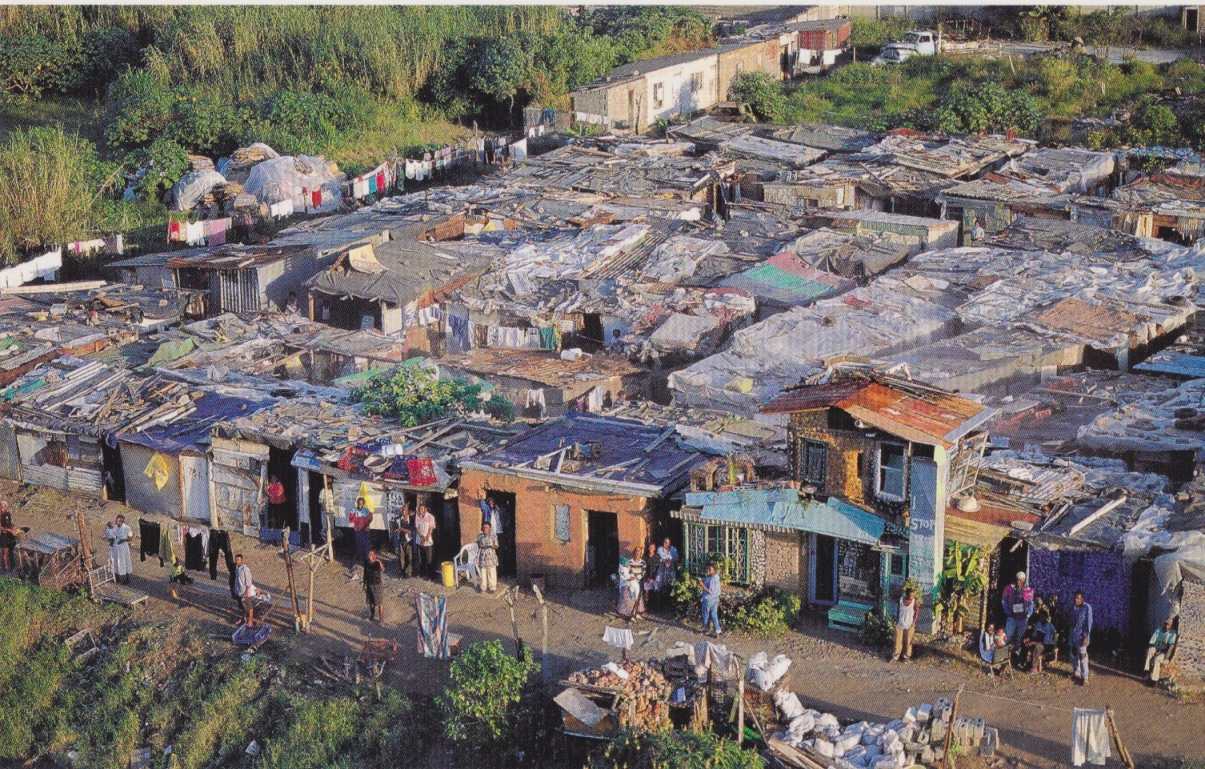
(706,543)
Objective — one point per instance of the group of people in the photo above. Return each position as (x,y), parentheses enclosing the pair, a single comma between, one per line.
(1029,631)
(645,577)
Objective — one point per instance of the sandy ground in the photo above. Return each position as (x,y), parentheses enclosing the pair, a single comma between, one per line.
(831,671)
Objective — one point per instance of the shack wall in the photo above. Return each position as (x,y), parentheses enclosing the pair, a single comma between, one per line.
(1104,576)
(537,548)
(141,491)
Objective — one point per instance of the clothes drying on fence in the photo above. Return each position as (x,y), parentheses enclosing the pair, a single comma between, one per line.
(148,540)
(1089,737)
(432,626)
(620,638)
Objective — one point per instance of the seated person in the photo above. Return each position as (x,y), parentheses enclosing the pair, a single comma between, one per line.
(1161,644)
(1039,637)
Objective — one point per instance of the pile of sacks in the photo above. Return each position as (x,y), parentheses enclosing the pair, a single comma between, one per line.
(917,738)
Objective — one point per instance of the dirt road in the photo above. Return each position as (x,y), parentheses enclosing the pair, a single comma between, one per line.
(831,671)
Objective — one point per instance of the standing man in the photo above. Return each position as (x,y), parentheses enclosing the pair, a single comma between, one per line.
(1162,642)
(487,559)
(374,567)
(244,590)
(9,534)
(119,535)
(711,599)
(361,519)
(402,533)
(1081,634)
(905,626)
(424,533)
(1018,602)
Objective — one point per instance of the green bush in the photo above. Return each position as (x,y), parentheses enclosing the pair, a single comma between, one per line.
(766,614)
(165,162)
(761,92)
(988,107)
(674,750)
(139,109)
(481,706)
(415,396)
(685,593)
(877,629)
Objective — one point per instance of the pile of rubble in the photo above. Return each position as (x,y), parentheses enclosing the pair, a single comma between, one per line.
(644,699)
(918,738)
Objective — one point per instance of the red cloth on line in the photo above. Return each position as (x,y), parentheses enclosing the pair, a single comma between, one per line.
(316,198)
(380,182)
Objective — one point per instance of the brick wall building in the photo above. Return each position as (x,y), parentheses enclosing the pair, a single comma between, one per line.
(574,493)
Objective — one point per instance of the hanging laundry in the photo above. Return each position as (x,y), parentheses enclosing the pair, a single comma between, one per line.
(316,198)
(381,182)
(410,169)
(175,231)
(373,187)
(359,189)
(518,151)
(195,233)
(1089,737)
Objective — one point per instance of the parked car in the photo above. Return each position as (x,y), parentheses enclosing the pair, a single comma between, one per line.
(915,43)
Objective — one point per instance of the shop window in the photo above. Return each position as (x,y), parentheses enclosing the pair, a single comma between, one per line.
(706,543)
(813,466)
(891,471)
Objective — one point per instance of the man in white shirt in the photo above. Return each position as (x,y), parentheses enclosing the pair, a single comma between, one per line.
(424,532)
(905,625)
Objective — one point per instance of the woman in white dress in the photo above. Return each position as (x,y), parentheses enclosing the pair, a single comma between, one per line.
(119,534)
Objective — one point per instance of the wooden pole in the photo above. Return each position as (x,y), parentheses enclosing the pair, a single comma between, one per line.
(945,752)
(85,550)
(509,596)
(1122,752)
(284,546)
(543,630)
(740,711)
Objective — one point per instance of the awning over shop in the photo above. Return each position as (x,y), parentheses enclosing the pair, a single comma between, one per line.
(784,509)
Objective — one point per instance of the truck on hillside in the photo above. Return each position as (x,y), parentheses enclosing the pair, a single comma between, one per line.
(916,43)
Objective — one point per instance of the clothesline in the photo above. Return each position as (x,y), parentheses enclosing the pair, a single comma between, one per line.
(387,177)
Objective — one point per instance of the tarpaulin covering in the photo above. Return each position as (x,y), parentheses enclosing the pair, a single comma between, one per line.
(192,432)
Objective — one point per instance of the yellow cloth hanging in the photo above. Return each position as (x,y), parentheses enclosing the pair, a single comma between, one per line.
(158,470)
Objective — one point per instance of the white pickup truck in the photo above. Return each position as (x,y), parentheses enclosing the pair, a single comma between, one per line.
(916,43)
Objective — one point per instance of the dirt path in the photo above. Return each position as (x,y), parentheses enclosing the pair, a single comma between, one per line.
(831,670)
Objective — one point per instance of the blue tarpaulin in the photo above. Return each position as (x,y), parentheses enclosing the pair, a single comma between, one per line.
(192,432)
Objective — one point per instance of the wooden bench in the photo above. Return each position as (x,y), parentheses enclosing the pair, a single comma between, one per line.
(848,616)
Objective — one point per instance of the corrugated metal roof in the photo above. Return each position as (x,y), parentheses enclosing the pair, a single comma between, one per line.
(935,418)
(784,509)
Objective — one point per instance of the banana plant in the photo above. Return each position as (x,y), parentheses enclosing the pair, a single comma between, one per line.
(962,578)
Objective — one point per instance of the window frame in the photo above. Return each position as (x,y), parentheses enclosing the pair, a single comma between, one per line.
(805,463)
(880,468)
